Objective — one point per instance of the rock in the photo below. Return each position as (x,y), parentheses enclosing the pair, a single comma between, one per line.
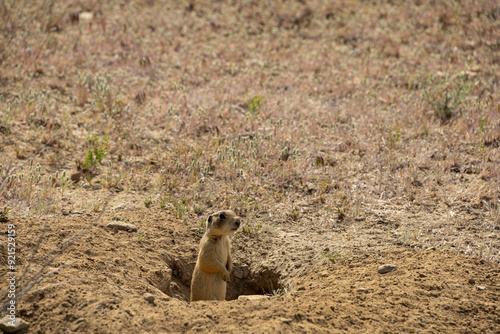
(362,290)
(252,297)
(123,226)
(65,304)
(149,297)
(481,288)
(286,320)
(246,270)
(175,287)
(7,325)
(86,16)
(386,268)
(75,177)
(237,272)
(119,207)
(79,325)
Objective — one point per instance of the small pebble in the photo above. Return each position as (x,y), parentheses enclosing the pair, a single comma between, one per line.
(481,288)
(286,320)
(123,226)
(252,297)
(8,325)
(149,297)
(364,290)
(386,268)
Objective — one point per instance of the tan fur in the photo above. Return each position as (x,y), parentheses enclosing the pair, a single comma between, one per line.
(214,264)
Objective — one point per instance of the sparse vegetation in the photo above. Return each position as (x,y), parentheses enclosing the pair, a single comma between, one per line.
(446,93)
(358,119)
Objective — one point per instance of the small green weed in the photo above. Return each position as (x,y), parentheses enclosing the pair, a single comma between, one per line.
(4,214)
(446,93)
(96,152)
(254,105)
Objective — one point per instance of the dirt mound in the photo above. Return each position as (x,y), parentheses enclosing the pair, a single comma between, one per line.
(309,282)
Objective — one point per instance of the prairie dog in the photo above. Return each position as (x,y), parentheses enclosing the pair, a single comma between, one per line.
(214,264)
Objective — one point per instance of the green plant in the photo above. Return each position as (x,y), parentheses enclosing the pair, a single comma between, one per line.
(254,105)
(394,137)
(446,93)
(342,209)
(198,209)
(282,291)
(96,152)
(64,182)
(147,202)
(4,214)
(163,202)
(333,257)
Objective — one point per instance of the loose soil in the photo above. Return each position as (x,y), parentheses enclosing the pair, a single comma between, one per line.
(346,134)
(431,291)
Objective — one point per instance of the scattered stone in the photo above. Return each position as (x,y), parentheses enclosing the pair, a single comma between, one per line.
(286,320)
(246,270)
(362,290)
(8,325)
(79,325)
(149,297)
(481,288)
(75,177)
(119,207)
(386,268)
(422,275)
(175,287)
(123,226)
(86,16)
(252,297)
(237,272)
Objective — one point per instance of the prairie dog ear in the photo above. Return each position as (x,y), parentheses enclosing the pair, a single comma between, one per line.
(222,216)
(209,221)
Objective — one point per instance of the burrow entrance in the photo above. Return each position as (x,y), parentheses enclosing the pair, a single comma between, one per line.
(175,279)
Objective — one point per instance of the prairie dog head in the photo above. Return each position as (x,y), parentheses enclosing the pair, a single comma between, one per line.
(223,223)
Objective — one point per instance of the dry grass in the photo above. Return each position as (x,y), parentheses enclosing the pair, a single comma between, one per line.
(310,116)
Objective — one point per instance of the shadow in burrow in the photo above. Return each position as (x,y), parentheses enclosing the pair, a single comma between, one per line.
(174,279)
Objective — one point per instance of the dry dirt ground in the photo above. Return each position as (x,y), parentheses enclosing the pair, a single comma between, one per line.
(346,134)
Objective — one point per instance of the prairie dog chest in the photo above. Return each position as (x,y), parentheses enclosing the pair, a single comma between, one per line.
(219,248)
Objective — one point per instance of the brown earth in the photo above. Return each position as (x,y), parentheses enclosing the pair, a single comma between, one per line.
(431,291)
(346,134)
